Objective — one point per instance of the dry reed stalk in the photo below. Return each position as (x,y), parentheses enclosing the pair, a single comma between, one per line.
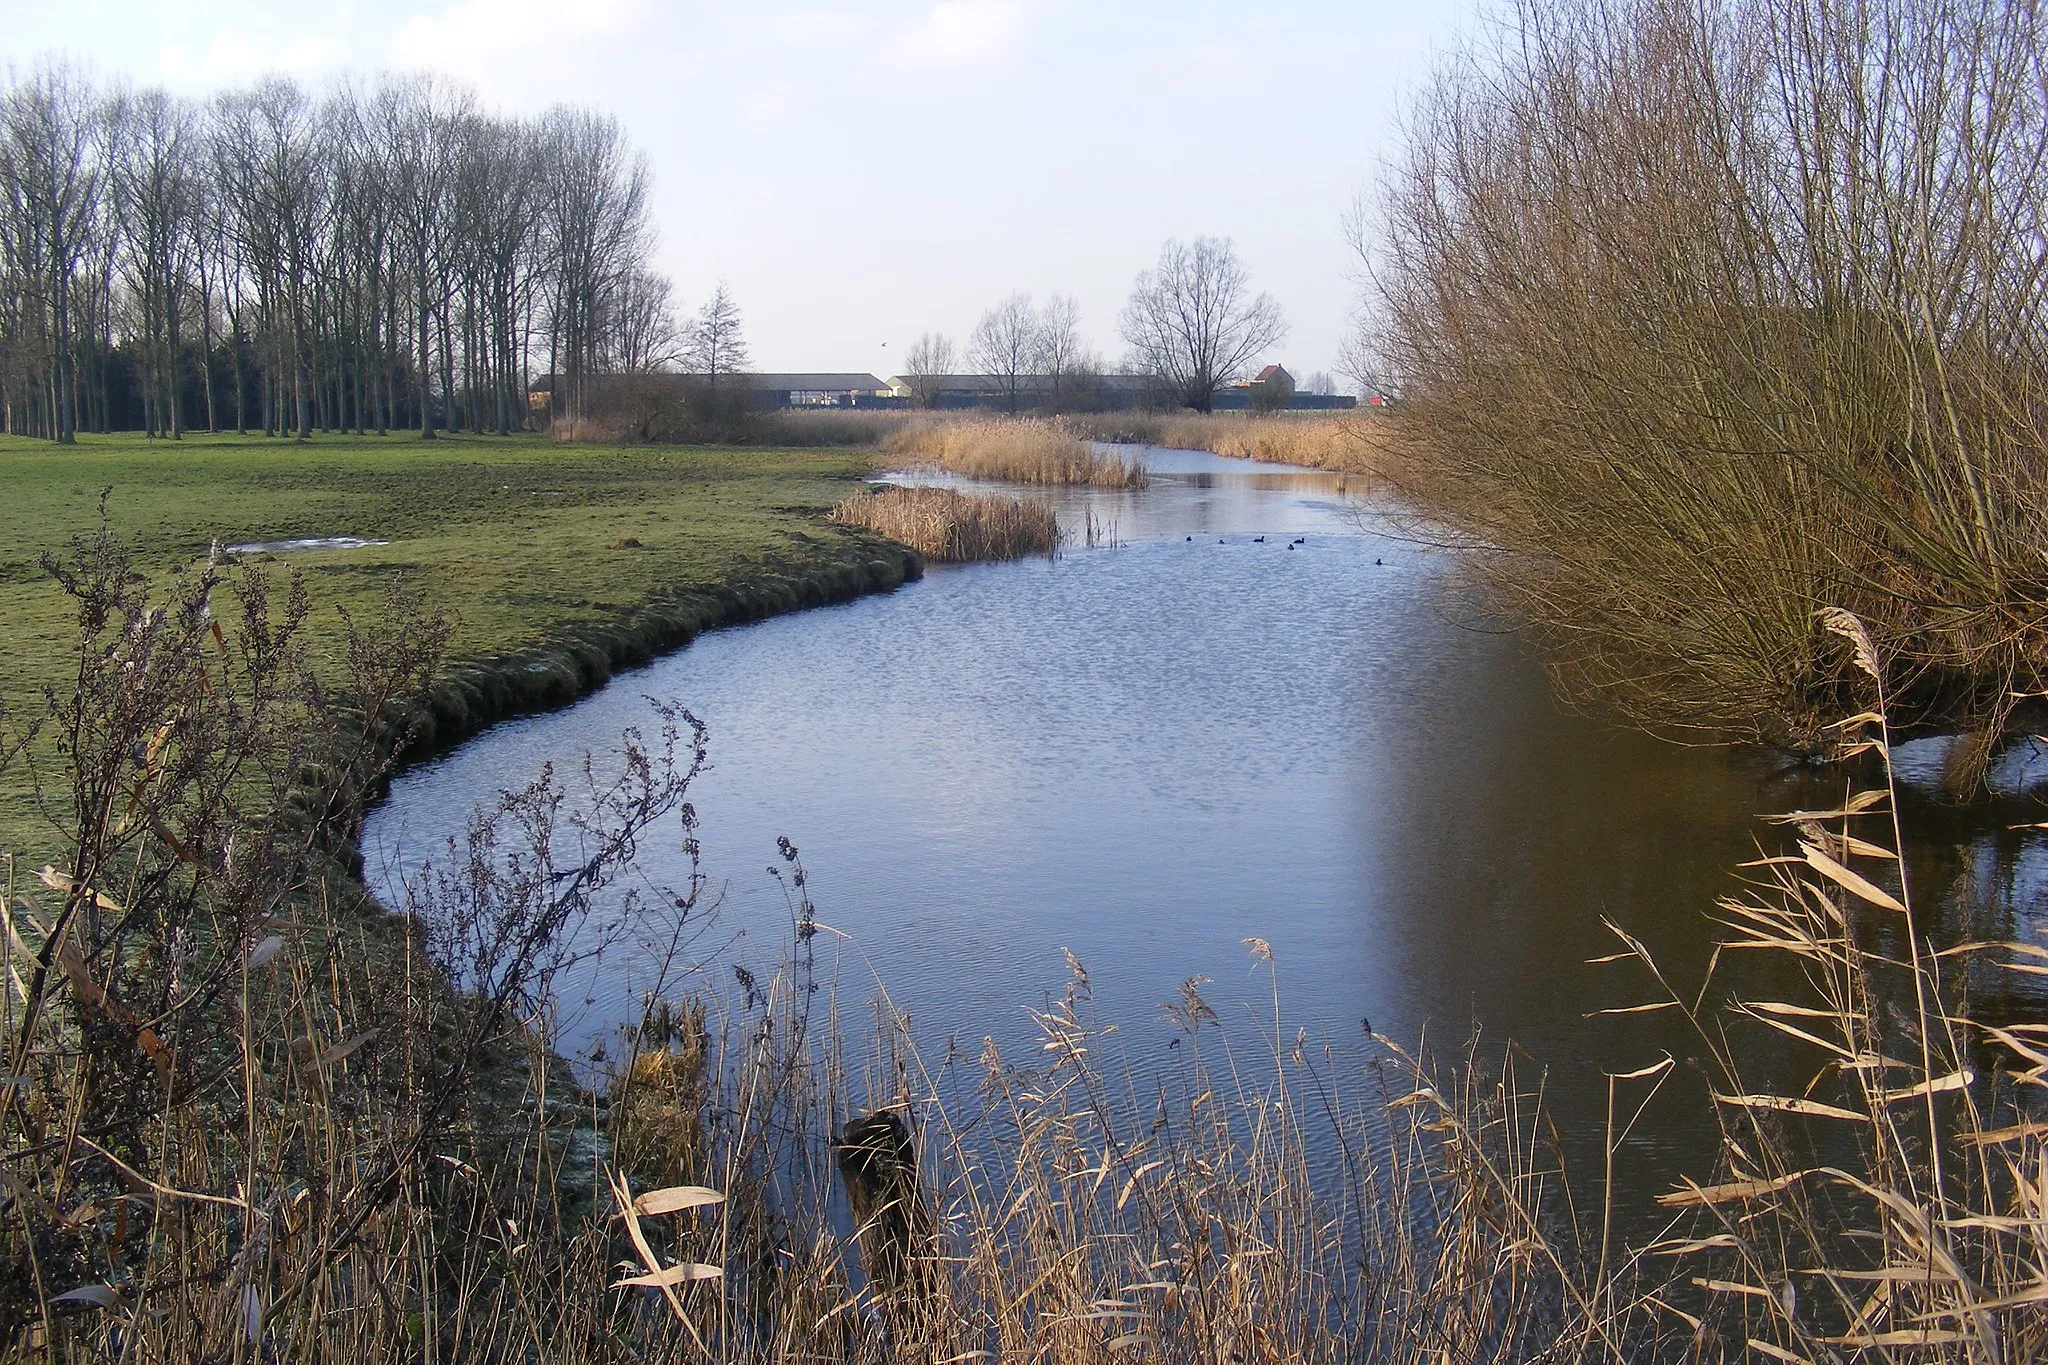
(1891,1208)
(1013,449)
(942,524)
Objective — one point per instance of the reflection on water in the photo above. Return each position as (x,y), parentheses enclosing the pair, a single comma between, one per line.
(1147,754)
(1192,493)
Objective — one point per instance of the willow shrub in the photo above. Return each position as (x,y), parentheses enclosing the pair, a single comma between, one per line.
(1708,317)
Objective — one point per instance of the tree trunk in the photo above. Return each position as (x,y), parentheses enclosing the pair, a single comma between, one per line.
(423,337)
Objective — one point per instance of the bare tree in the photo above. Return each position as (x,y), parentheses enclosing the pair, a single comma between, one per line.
(929,360)
(1062,356)
(647,337)
(498,189)
(714,346)
(52,177)
(155,181)
(595,218)
(1192,320)
(1715,316)
(270,159)
(416,117)
(1005,345)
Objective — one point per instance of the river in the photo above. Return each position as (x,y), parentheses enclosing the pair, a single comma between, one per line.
(1256,707)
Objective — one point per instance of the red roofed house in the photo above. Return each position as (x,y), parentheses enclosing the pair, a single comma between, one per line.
(1271,389)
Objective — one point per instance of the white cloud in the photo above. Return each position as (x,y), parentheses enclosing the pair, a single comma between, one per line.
(959,33)
(473,33)
(773,105)
(230,58)
(819,28)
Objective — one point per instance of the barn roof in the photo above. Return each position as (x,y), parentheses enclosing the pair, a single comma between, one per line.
(996,383)
(816,383)
(775,383)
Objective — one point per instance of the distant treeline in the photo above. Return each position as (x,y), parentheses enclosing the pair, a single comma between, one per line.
(379,256)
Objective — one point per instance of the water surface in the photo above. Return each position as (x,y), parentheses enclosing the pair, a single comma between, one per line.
(1148,753)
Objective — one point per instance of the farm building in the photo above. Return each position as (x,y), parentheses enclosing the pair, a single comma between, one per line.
(851,390)
(1271,387)
(808,390)
(1032,390)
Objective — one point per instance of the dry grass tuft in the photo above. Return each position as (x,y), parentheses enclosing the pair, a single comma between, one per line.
(942,524)
(1013,449)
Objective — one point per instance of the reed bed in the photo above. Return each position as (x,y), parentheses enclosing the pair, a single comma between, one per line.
(1041,450)
(1351,443)
(245,1119)
(942,524)
(1886,1201)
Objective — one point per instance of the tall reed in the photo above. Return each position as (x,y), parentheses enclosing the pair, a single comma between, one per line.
(1351,443)
(1885,1202)
(1013,449)
(942,524)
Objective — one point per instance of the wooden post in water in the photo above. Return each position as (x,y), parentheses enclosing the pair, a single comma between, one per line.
(878,1166)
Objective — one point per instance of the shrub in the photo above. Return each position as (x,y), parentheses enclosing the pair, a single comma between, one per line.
(1707,317)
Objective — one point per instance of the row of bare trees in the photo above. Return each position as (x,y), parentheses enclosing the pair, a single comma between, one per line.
(1034,354)
(1192,324)
(381,255)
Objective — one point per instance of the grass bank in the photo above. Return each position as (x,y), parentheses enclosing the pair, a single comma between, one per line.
(553,564)
(940,523)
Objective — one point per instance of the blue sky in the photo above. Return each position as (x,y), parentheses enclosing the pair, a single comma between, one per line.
(861,172)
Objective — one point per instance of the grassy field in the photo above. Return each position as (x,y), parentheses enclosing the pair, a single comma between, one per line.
(517,540)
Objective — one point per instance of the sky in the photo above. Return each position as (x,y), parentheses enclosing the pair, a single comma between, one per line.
(860,173)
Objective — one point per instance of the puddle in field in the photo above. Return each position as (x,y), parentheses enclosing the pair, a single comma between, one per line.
(301,544)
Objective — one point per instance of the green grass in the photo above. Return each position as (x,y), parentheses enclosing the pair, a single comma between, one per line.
(517,540)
